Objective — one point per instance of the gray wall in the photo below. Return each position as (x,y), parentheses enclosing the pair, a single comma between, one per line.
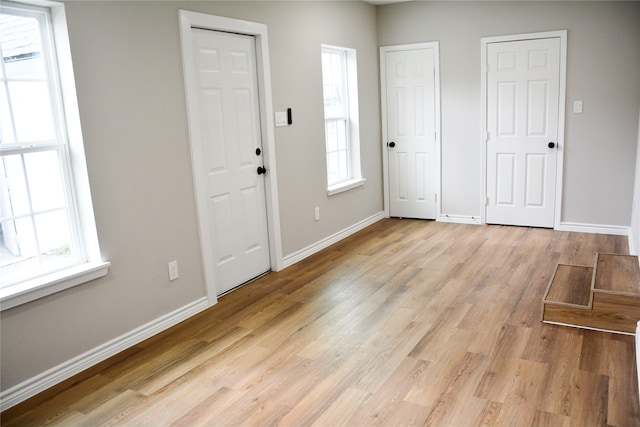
(603,70)
(130,88)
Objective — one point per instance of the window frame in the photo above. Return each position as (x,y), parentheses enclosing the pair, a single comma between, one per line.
(350,117)
(70,148)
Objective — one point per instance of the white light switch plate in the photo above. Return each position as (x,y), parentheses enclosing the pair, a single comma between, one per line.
(577,107)
(281,118)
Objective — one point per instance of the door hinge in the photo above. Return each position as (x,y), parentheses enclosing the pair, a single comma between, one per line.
(486,202)
(436,197)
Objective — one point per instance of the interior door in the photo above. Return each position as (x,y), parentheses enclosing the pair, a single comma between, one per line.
(229,126)
(411,132)
(522,123)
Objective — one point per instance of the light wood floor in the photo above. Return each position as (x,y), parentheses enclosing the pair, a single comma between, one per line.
(405,323)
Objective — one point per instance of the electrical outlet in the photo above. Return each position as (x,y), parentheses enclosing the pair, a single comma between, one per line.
(317,214)
(281,118)
(577,107)
(173,270)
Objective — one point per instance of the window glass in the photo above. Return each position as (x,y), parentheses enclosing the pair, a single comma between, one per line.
(338,115)
(37,226)
(30,105)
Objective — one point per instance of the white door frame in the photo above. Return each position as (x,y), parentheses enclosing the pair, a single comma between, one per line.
(562,35)
(259,31)
(383,98)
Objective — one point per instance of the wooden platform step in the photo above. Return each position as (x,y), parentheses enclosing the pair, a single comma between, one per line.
(604,297)
(618,274)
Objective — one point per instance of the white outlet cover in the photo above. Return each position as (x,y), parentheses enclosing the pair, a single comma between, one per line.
(281,118)
(173,270)
(577,107)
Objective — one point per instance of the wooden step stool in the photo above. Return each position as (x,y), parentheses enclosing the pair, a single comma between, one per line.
(605,297)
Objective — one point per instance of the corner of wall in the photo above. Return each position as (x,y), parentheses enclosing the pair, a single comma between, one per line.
(634,232)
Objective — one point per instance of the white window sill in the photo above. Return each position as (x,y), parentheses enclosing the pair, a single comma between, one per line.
(345,186)
(21,293)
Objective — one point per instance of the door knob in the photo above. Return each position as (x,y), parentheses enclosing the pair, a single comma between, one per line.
(551,144)
(261,170)
(391,144)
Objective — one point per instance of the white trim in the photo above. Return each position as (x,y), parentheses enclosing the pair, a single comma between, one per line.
(460,219)
(383,99)
(65,370)
(345,186)
(562,89)
(637,358)
(24,292)
(632,249)
(93,265)
(328,241)
(587,328)
(617,230)
(259,31)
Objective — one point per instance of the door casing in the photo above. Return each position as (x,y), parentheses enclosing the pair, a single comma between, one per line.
(188,20)
(562,35)
(383,98)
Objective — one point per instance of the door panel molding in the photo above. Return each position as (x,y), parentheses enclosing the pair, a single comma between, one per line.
(484,42)
(189,20)
(435,46)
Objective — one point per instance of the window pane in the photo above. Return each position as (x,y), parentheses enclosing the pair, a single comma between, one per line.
(6,127)
(54,239)
(334,85)
(333,172)
(21,46)
(343,163)
(342,134)
(14,200)
(331,136)
(45,180)
(19,250)
(23,256)
(32,111)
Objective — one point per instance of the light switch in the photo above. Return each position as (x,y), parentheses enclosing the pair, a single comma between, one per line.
(577,107)
(281,118)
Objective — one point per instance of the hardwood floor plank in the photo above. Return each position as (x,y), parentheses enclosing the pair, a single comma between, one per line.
(340,412)
(381,405)
(404,323)
(544,419)
(508,347)
(594,389)
(210,410)
(458,390)
(100,414)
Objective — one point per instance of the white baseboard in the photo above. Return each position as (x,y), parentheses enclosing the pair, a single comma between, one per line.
(637,352)
(328,241)
(57,374)
(460,219)
(618,230)
(633,250)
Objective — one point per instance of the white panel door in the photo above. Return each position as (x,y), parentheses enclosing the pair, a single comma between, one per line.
(411,132)
(523,80)
(229,119)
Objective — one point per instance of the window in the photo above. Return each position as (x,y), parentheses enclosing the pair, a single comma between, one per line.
(43,239)
(339,83)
